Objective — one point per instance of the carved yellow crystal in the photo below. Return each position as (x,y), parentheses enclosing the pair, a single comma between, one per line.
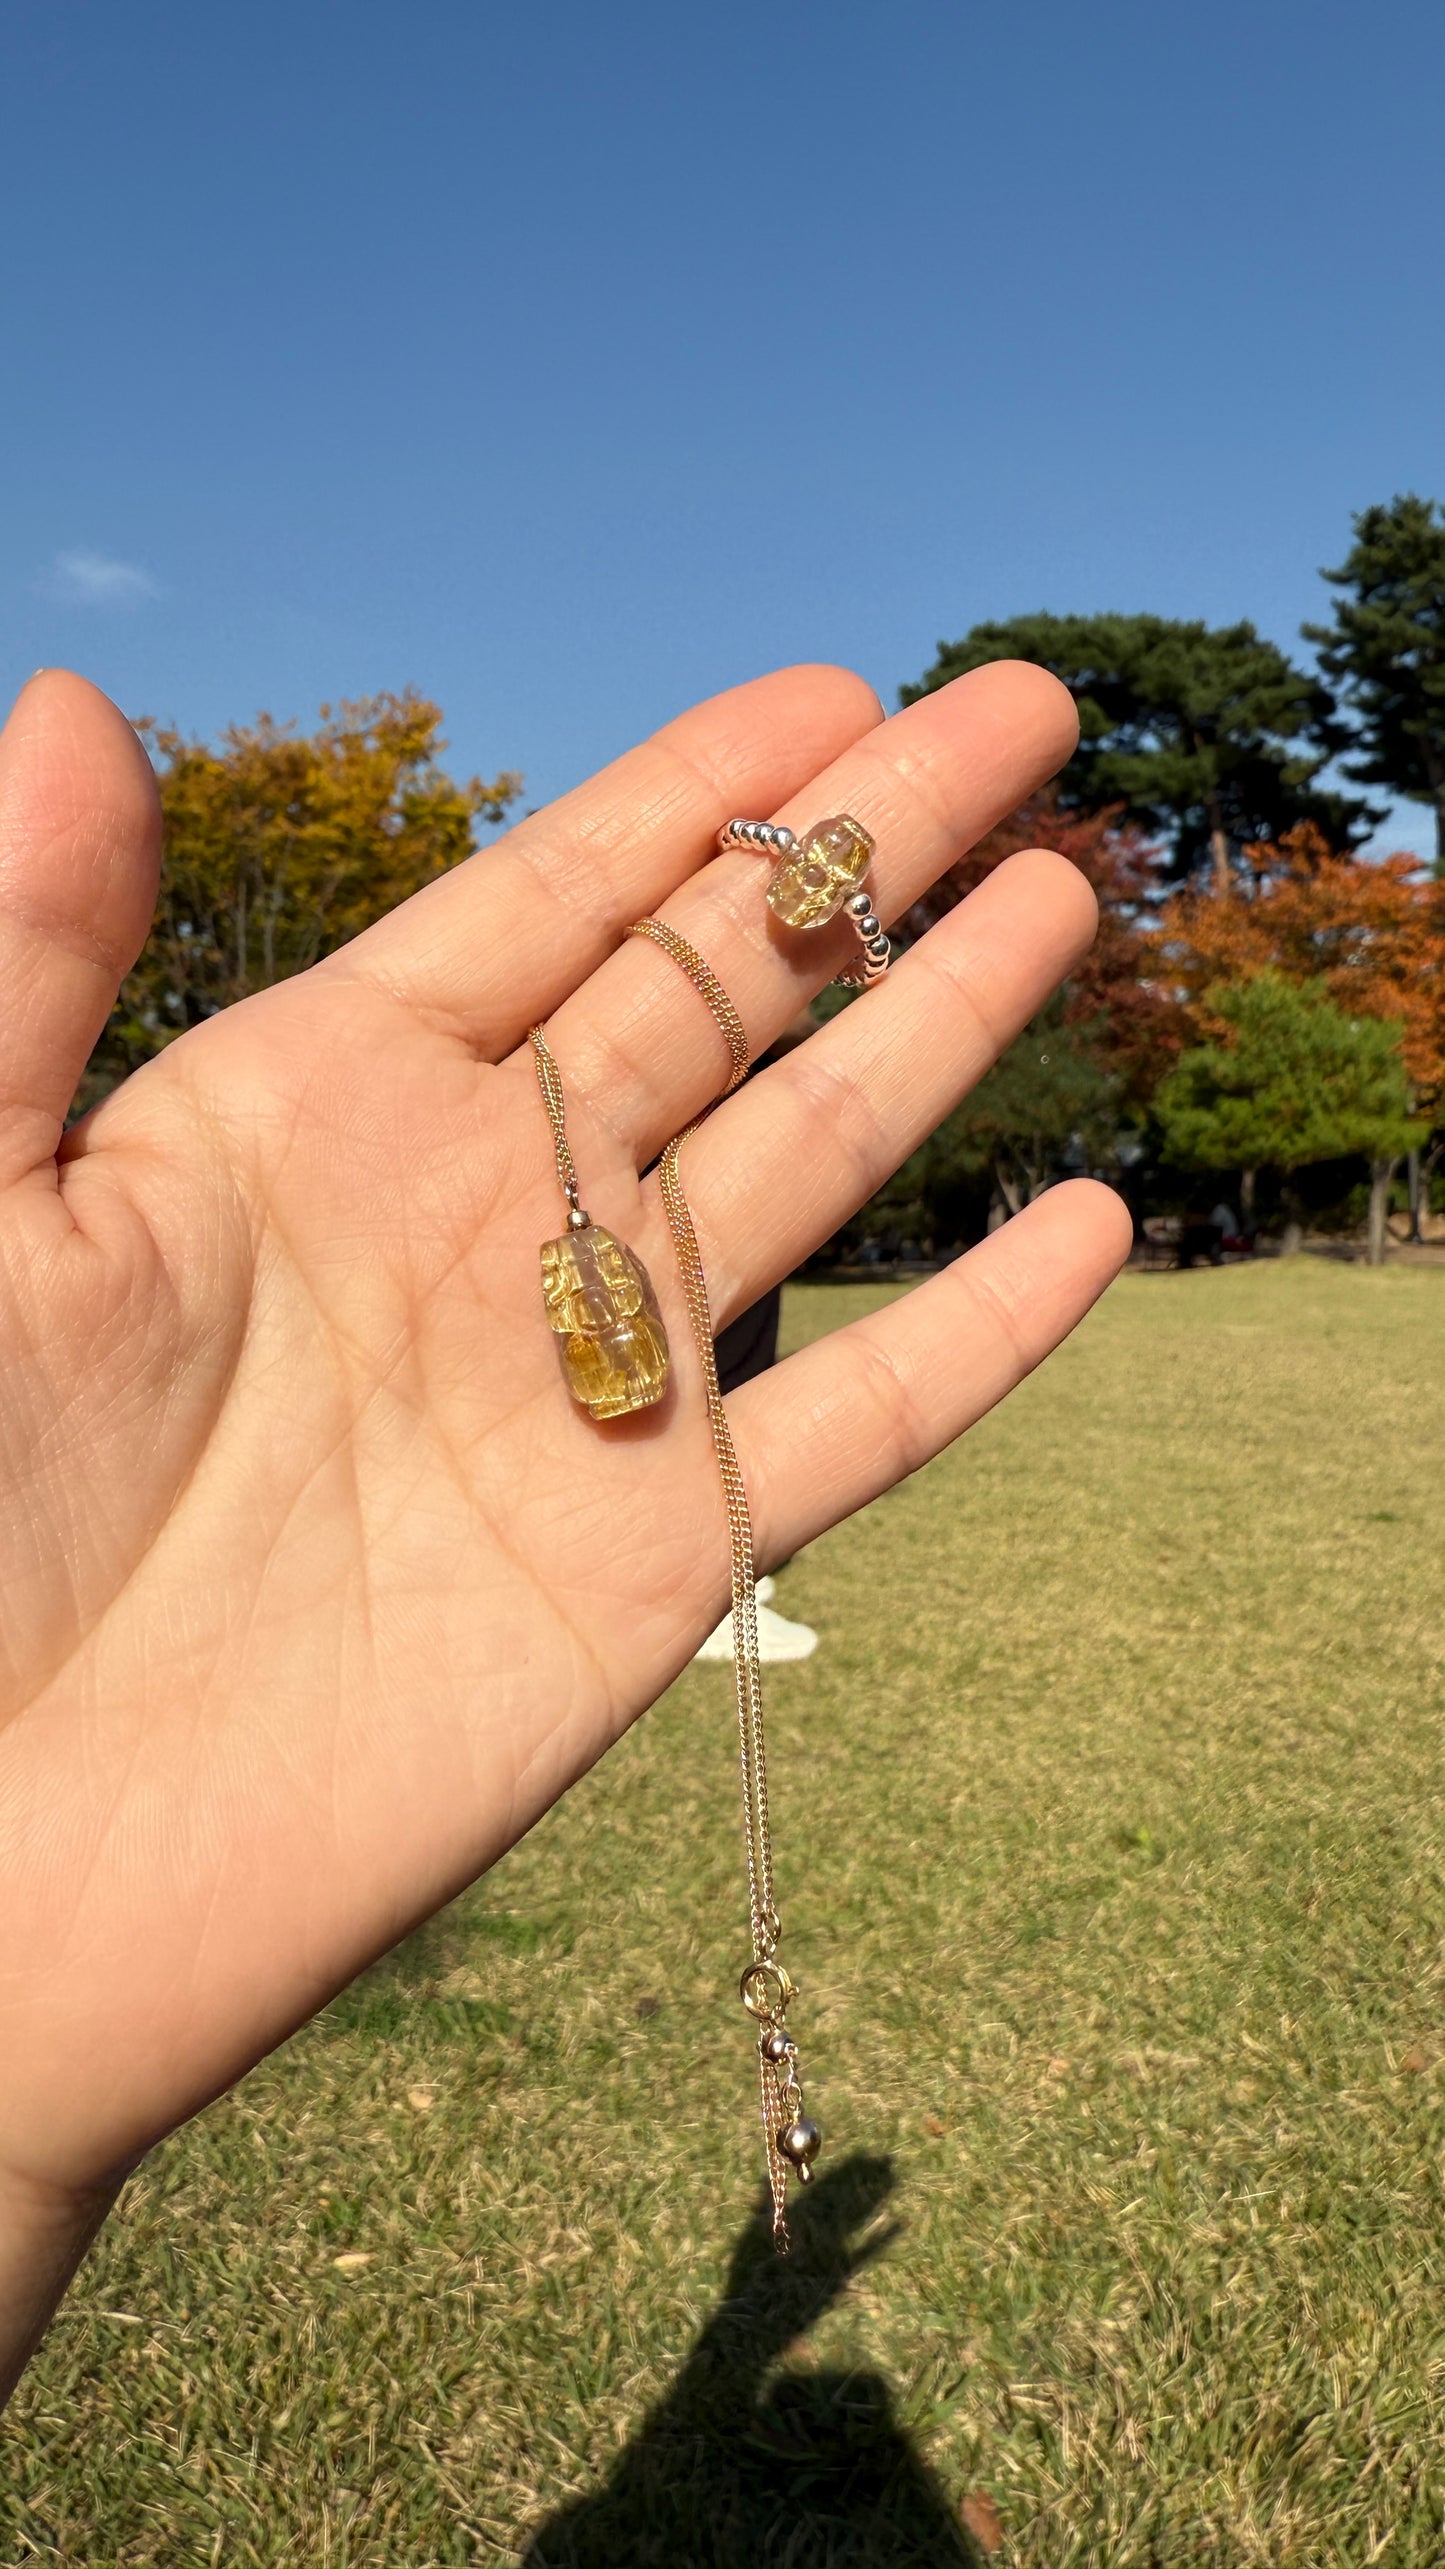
(611,1342)
(810,884)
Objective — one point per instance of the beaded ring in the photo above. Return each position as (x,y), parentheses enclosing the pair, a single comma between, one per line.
(817,876)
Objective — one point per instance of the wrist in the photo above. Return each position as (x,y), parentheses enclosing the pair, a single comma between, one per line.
(45,2231)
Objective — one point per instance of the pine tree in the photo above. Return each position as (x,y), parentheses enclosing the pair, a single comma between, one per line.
(1204,736)
(1386,650)
(1294,1080)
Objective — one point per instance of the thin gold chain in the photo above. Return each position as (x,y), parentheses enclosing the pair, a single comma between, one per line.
(549,1080)
(705,981)
(747,1670)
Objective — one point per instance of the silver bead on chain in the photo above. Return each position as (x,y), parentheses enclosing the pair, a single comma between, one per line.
(758,838)
(876,948)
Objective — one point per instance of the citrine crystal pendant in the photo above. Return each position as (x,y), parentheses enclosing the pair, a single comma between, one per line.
(810,884)
(611,1341)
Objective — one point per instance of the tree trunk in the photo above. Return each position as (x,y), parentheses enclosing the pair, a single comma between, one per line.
(1218,834)
(1412,1167)
(1381,1172)
(1294,1226)
(1246,1197)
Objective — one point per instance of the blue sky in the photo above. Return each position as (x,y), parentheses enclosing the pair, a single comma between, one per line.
(569,362)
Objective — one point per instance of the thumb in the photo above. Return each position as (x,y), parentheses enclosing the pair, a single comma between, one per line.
(80,835)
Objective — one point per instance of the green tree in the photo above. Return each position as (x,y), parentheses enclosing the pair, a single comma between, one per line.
(280,846)
(1047,1094)
(1385,650)
(1295,1080)
(1205,736)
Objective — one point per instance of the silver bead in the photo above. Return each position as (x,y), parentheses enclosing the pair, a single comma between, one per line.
(877,946)
(778,2045)
(861,904)
(800,2142)
(756,835)
(577,1220)
(870,928)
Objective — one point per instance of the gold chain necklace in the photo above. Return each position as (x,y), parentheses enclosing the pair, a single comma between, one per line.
(790,2140)
(613,1349)
(614,1354)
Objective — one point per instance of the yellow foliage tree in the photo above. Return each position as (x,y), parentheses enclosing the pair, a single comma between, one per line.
(280,846)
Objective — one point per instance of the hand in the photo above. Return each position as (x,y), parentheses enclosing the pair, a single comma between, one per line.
(318,1589)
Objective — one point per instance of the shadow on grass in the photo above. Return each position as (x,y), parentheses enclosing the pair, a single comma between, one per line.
(743,2466)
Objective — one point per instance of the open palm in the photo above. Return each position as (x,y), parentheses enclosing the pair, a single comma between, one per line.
(318,1589)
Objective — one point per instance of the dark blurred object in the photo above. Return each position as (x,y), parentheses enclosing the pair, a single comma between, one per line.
(1200,1243)
(749,1344)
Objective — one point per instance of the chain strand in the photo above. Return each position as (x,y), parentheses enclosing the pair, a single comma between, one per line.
(549,1080)
(705,981)
(747,1669)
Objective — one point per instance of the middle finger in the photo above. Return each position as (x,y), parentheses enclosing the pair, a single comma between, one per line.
(638,1049)
(777,1170)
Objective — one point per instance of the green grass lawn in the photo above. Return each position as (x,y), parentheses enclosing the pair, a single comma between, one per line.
(1108,1837)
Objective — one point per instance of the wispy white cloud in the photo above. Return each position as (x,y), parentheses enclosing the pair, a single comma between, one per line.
(82,579)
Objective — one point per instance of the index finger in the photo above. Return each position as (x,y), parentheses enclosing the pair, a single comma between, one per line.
(498,943)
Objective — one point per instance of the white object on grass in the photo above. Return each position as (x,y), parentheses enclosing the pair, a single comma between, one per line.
(778,1640)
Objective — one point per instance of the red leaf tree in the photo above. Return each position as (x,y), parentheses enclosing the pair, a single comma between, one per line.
(1132,1022)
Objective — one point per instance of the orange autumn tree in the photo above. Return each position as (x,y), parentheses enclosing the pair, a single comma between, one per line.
(1373,933)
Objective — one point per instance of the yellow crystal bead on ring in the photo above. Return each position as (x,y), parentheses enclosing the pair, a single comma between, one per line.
(815,877)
